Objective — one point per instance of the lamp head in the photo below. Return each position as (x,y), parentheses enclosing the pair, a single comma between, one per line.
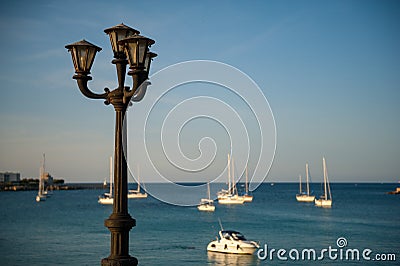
(136,48)
(83,54)
(116,34)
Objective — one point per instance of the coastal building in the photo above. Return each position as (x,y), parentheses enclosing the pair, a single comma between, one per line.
(10,177)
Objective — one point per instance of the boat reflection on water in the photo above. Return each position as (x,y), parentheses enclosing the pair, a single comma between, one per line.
(215,258)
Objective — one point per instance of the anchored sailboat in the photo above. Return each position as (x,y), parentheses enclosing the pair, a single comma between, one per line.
(41,196)
(231,195)
(246,196)
(207,204)
(135,193)
(305,197)
(326,199)
(107,198)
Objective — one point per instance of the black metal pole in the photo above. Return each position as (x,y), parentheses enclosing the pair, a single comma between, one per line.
(120,222)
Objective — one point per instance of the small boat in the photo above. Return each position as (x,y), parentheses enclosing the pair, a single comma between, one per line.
(41,196)
(246,196)
(207,204)
(231,195)
(326,199)
(302,196)
(135,193)
(397,191)
(232,242)
(107,198)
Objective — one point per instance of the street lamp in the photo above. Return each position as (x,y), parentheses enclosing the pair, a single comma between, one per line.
(128,47)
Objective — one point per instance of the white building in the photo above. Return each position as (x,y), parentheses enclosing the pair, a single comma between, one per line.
(10,177)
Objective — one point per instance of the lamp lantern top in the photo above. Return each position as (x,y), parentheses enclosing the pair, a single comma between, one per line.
(83,54)
(117,33)
(136,48)
(149,58)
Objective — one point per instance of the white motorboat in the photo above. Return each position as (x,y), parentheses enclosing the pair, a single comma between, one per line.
(232,242)
(207,204)
(135,193)
(326,199)
(302,196)
(107,198)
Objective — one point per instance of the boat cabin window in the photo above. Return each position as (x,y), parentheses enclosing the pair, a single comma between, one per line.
(232,235)
(227,236)
(238,236)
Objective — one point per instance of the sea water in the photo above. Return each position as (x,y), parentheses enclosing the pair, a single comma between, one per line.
(68,228)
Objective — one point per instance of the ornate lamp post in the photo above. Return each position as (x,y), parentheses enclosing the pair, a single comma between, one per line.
(128,47)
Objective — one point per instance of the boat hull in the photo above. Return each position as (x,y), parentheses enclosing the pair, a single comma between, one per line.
(40,198)
(206,208)
(245,248)
(305,198)
(248,198)
(323,203)
(106,201)
(231,199)
(137,195)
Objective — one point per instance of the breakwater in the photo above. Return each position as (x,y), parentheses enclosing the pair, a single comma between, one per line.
(70,186)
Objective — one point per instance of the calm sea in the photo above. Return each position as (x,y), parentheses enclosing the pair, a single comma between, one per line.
(68,229)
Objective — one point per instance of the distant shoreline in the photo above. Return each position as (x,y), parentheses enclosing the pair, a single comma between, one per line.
(96,186)
(71,186)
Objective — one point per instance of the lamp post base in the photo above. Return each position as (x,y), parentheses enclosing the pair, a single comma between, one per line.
(129,261)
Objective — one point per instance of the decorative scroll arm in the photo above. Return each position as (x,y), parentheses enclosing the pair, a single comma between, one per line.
(140,83)
(83,87)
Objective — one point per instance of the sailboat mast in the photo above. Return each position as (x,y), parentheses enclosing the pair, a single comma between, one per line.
(138,180)
(325,188)
(308,186)
(40,179)
(229,174)
(111,176)
(233,177)
(247,185)
(44,163)
(208,190)
(300,184)
(327,181)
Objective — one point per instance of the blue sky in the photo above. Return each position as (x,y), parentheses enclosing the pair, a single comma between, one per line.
(329,69)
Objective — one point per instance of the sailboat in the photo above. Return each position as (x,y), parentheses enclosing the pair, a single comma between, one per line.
(231,195)
(246,196)
(107,198)
(41,195)
(207,204)
(135,193)
(305,197)
(326,199)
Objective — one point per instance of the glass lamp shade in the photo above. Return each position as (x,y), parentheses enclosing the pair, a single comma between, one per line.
(147,61)
(83,53)
(117,33)
(136,48)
